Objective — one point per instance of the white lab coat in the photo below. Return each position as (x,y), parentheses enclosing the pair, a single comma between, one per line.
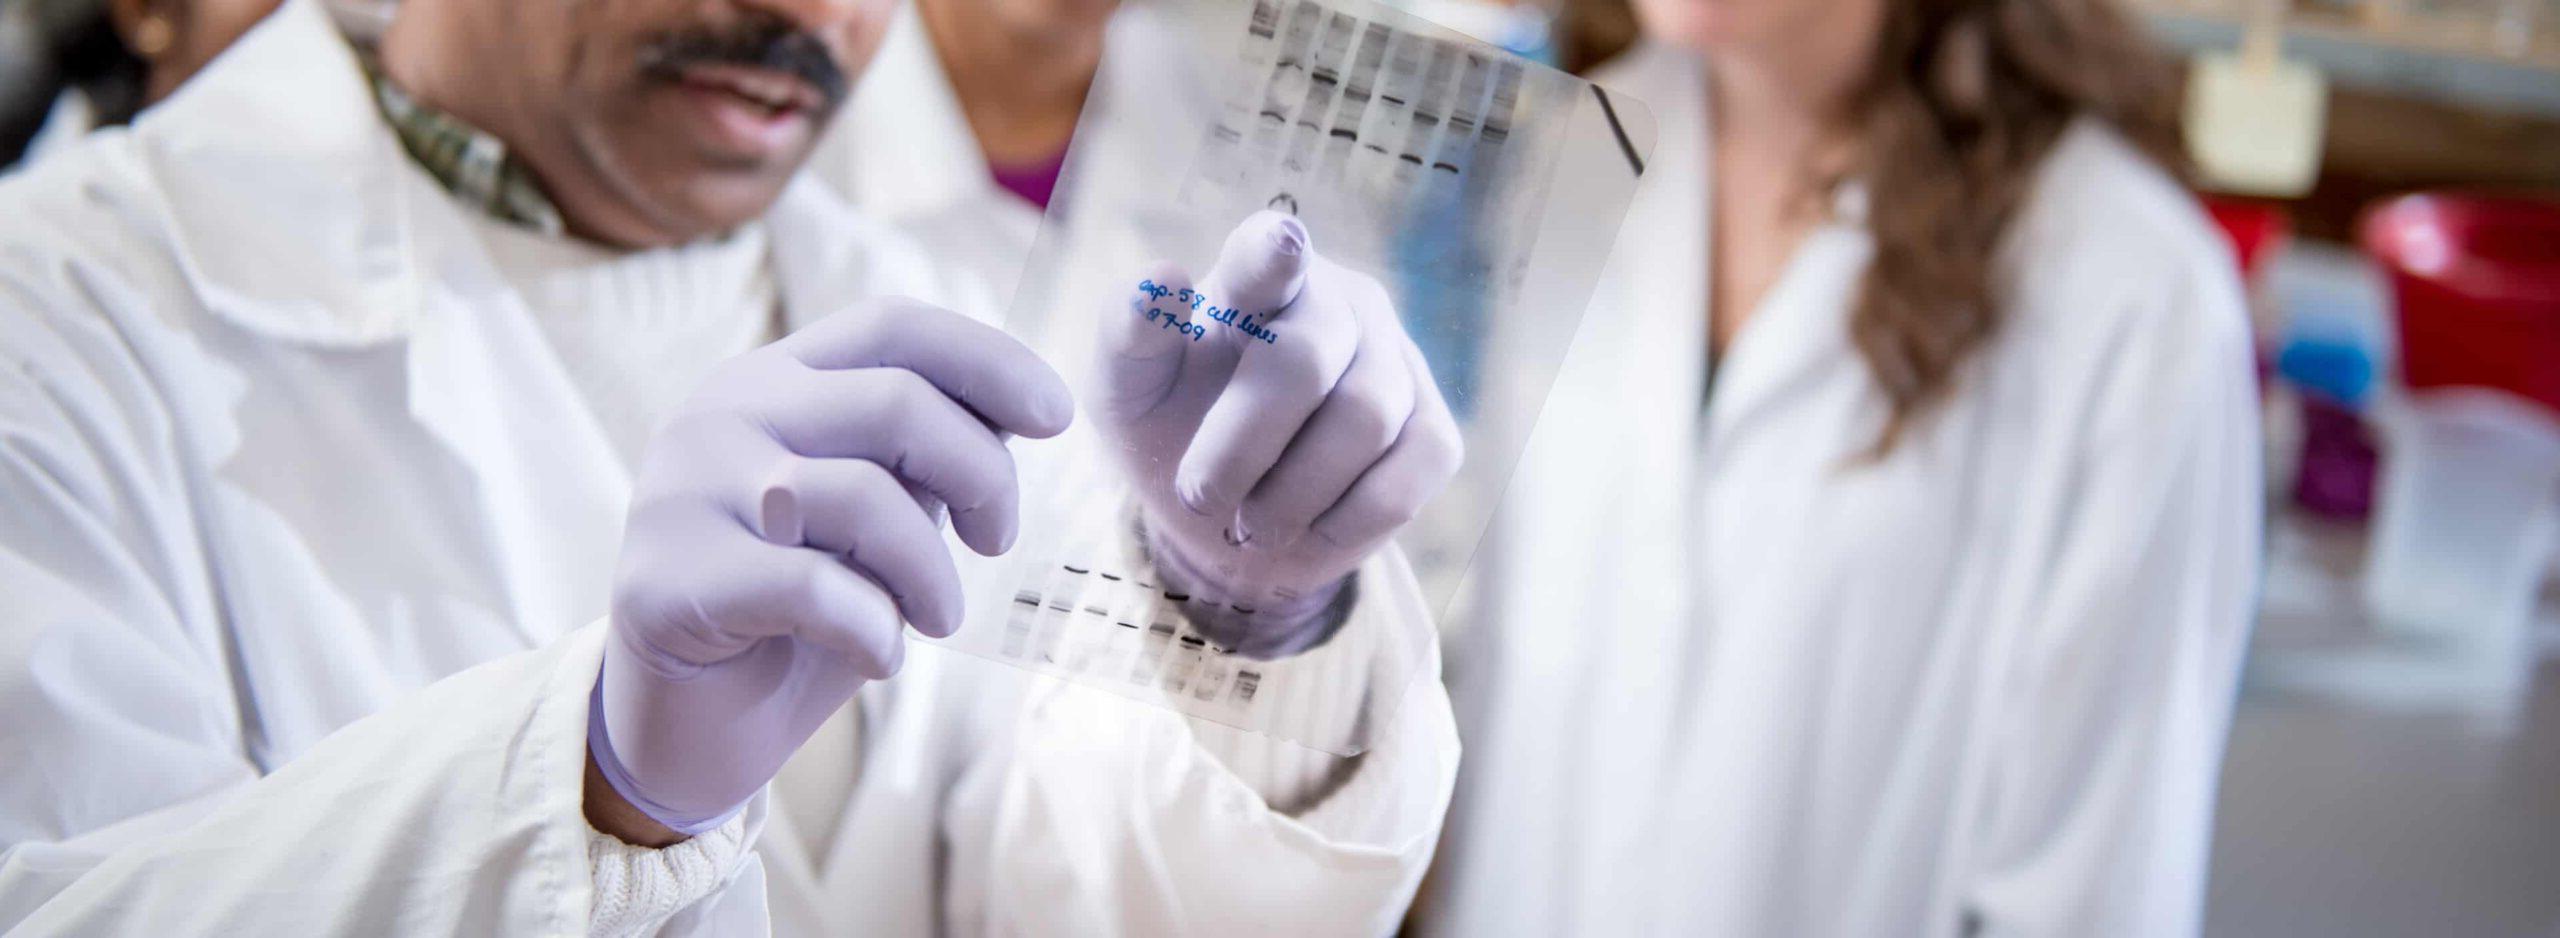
(70,120)
(1980,687)
(299,521)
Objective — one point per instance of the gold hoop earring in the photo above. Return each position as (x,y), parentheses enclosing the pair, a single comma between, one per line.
(154,35)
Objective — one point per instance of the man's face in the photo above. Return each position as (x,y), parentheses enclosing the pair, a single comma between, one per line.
(661,121)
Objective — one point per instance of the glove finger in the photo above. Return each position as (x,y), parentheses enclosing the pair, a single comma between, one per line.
(858,511)
(796,592)
(934,509)
(1263,265)
(993,375)
(1260,269)
(1426,455)
(1275,387)
(1348,434)
(1144,348)
(852,617)
(907,425)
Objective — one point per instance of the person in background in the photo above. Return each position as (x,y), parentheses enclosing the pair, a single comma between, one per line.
(981,99)
(1904,481)
(67,66)
(468,483)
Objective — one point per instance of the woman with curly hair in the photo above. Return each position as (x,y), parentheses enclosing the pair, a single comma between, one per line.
(1902,485)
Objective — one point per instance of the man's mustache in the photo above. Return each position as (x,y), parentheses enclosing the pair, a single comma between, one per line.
(764,43)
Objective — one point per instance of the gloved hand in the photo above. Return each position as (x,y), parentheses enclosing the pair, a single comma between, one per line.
(1277,425)
(783,523)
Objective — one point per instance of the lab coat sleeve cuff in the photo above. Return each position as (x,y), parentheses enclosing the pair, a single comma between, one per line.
(638,888)
(1399,786)
(1238,834)
(456,810)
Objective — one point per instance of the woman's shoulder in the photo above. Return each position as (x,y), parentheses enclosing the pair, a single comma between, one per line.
(2107,228)
(2096,189)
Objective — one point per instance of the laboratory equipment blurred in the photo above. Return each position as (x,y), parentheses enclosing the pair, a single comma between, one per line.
(2403,686)
(2426,375)
(2471,498)
(2253,118)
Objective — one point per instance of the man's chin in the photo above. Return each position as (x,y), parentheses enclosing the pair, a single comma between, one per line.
(645,191)
(696,203)
(724,209)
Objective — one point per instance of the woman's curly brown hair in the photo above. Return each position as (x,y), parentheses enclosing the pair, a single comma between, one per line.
(1965,99)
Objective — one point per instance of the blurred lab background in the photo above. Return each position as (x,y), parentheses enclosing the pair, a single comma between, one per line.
(2387,174)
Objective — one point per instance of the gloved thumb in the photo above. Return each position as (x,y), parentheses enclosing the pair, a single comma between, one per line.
(1144,348)
(1262,265)
(1259,272)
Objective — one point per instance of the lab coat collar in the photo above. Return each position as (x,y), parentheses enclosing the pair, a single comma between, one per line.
(297,215)
(70,119)
(1801,328)
(289,198)
(1662,248)
(1801,325)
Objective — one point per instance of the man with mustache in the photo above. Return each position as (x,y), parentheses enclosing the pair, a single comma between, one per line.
(340,392)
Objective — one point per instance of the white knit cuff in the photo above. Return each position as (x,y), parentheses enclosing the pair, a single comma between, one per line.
(1326,699)
(636,889)
(1384,795)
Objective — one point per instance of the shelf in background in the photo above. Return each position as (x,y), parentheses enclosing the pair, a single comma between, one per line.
(2428,56)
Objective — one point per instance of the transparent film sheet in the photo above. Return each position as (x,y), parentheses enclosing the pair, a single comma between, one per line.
(1483,192)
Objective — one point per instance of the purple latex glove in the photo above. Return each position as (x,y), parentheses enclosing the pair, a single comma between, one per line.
(783,523)
(1277,425)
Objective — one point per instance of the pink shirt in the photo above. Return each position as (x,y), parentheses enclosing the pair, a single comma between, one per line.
(1033,182)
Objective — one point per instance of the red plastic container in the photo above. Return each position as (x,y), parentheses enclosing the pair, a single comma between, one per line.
(2256,229)
(2476,280)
